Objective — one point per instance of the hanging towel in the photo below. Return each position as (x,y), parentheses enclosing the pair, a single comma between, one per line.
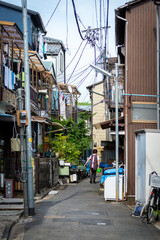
(6,83)
(23,83)
(10,79)
(13,79)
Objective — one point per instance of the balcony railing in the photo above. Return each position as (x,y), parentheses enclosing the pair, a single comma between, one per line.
(34,96)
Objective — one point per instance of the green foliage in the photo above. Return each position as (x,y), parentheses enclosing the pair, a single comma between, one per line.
(84,103)
(66,149)
(71,143)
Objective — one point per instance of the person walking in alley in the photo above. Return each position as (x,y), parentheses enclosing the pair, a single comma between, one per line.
(93,165)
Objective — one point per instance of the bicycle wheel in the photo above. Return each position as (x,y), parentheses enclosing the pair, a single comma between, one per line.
(151,206)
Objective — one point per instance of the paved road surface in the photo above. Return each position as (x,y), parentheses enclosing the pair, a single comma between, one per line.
(78,212)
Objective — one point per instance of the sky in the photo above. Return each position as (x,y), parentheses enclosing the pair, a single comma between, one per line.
(63,26)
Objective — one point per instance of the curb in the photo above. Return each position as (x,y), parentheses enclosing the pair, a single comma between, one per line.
(8,228)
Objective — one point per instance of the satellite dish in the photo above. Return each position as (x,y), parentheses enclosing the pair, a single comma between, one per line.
(69,89)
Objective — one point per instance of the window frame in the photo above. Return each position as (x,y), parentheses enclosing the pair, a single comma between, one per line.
(142,121)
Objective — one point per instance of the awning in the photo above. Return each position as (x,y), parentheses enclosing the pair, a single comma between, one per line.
(10,33)
(7,117)
(34,59)
(49,77)
(109,123)
(67,88)
(35,62)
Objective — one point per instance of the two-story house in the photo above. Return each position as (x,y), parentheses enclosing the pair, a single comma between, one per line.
(55,51)
(136,42)
(12,79)
(103,109)
(36,29)
(68,94)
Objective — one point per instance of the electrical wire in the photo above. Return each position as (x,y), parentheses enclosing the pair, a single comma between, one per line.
(78,61)
(75,55)
(104,13)
(106,32)
(85,96)
(77,72)
(96,12)
(82,72)
(75,14)
(53,13)
(78,17)
(85,66)
(80,83)
(77,84)
(67,23)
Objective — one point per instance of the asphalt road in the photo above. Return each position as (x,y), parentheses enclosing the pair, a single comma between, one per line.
(79,212)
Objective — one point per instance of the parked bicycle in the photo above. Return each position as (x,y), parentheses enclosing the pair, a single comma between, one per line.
(153,206)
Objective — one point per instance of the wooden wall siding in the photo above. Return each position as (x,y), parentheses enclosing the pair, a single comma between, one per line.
(141,70)
(142,50)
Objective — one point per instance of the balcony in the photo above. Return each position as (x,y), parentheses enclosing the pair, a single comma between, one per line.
(34,96)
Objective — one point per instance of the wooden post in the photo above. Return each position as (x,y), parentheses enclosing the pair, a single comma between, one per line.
(32,83)
(36,80)
(43,139)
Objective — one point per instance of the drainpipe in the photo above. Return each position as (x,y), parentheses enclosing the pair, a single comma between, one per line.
(126,110)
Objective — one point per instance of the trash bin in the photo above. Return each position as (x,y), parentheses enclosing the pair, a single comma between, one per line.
(109,179)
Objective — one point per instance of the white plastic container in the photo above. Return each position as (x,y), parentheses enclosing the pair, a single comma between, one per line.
(61,162)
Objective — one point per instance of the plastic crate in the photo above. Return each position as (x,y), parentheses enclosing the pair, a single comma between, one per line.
(63,171)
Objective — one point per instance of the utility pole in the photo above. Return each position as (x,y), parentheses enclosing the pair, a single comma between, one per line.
(23,157)
(101,34)
(31,210)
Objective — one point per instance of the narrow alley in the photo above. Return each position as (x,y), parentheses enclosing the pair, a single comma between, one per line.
(78,211)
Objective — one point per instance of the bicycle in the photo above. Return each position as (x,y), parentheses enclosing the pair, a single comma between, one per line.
(153,206)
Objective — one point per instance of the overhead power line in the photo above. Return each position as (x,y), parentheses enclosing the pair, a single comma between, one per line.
(67,23)
(74,55)
(77,62)
(75,14)
(53,13)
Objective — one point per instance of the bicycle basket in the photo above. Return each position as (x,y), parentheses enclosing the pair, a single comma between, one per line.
(154,181)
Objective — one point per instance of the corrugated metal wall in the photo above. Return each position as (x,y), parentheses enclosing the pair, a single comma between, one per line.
(141,70)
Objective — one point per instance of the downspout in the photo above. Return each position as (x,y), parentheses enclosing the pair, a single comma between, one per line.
(126,110)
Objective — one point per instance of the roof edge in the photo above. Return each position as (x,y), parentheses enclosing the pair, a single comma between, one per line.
(31,12)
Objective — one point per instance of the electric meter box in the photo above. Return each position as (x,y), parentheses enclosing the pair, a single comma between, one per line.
(22,118)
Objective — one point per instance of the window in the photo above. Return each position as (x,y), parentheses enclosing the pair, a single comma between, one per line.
(144,112)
